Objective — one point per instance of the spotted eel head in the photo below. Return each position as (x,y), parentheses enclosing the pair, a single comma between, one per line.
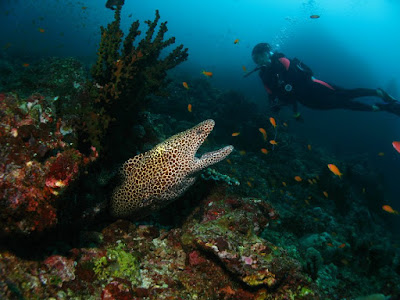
(197,136)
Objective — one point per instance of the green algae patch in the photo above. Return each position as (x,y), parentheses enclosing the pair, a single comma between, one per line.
(305,292)
(118,263)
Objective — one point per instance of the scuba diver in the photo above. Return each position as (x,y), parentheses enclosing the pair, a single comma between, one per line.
(289,81)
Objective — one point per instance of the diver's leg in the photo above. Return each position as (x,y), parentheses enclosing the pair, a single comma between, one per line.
(354,105)
(323,97)
(362,92)
(335,101)
(356,93)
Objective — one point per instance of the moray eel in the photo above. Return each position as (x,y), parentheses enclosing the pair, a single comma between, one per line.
(155,178)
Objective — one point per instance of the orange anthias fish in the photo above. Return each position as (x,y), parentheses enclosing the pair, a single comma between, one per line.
(297,178)
(273,122)
(185,85)
(244,69)
(309,147)
(235,133)
(390,210)
(189,107)
(342,245)
(208,74)
(381,154)
(314,17)
(325,194)
(273,142)
(25,65)
(263,150)
(41,30)
(264,133)
(236,41)
(335,170)
(396,145)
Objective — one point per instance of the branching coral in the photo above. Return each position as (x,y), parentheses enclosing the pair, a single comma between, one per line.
(127,72)
(134,71)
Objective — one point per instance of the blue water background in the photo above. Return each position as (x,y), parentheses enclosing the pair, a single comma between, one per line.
(353,44)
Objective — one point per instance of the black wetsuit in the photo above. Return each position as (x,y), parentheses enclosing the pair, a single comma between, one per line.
(290,81)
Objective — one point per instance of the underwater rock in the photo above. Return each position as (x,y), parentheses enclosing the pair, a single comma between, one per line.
(313,262)
(226,232)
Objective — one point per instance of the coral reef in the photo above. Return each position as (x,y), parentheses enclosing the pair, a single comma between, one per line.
(215,255)
(36,164)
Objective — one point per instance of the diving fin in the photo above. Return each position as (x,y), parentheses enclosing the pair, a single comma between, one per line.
(392,107)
